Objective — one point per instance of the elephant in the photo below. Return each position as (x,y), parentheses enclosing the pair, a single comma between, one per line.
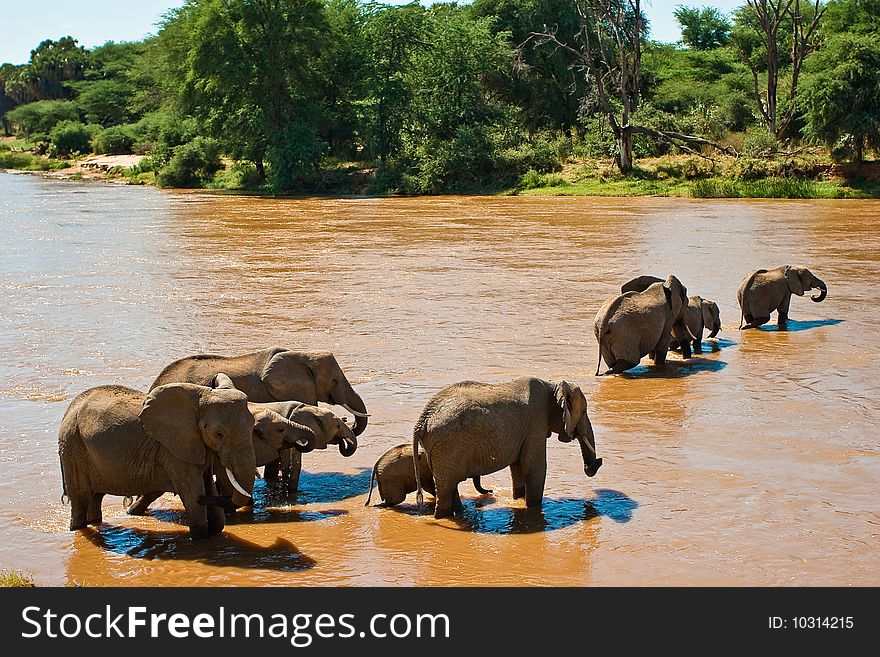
(766,290)
(470,429)
(277,374)
(393,472)
(277,425)
(634,324)
(701,315)
(119,441)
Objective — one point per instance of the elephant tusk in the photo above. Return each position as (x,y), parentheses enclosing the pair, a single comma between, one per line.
(349,441)
(590,447)
(354,412)
(302,443)
(235,484)
(257,474)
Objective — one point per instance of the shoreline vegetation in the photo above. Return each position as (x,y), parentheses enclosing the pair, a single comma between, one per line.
(347,97)
(684,176)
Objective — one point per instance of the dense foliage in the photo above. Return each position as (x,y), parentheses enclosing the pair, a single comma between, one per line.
(283,94)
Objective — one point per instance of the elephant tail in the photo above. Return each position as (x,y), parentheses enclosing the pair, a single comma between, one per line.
(480,489)
(65,498)
(417,434)
(372,480)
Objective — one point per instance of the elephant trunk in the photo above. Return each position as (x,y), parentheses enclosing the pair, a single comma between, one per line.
(348,446)
(587,441)
(355,405)
(715,330)
(240,468)
(305,439)
(823,290)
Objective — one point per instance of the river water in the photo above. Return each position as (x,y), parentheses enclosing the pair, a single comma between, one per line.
(755,463)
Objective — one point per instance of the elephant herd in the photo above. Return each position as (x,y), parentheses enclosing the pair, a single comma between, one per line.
(207,422)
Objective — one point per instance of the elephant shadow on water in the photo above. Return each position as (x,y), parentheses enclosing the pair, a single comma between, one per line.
(323,487)
(794,325)
(222,550)
(675,369)
(481,517)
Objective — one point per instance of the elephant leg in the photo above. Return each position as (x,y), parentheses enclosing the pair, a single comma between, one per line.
(621,366)
(95,515)
(659,357)
(139,506)
(216,517)
(270,472)
(519,483)
(447,492)
(698,346)
(197,514)
(782,312)
(291,470)
(533,460)
(755,322)
(457,506)
(79,509)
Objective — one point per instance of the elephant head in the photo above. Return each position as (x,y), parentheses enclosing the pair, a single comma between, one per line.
(296,375)
(711,317)
(190,421)
(327,427)
(801,279)
(280,433)
(574,423)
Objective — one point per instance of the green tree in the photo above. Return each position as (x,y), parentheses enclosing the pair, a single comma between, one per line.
(702,29)
(391,36)
(841,91)
(245,70)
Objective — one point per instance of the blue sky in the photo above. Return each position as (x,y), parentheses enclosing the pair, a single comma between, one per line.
(24,23)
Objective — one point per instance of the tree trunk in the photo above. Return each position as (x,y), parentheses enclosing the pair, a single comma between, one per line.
(625,150)
(261,169)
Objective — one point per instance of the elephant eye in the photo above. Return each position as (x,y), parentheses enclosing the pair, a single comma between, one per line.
(220,434)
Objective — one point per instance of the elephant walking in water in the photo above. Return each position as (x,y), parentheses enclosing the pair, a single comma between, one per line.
(639,323)
(701,315)
(470,429)
(118,441)
(277,375)
(767,290)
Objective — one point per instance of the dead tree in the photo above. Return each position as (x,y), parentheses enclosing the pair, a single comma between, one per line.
(774,19)
(608,51)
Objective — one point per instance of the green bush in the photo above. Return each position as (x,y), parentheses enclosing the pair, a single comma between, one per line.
(759,142)
(117,140)
(533,180)
(192,165)
(29,162)
(41,117)
(69,137)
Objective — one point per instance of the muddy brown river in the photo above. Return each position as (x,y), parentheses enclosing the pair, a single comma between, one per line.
(755,463)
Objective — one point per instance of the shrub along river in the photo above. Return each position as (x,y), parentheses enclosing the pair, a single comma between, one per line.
(755,463)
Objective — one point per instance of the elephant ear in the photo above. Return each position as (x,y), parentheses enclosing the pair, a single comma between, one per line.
(285,374)
(708,318)
(563,399)
(220,380)
(171,417)
(676,295)
(793,276)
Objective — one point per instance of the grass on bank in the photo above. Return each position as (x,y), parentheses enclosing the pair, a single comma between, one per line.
(16,579)
(30,162)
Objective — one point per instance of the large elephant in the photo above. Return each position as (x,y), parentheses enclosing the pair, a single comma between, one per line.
(634,324)
(470,429)
(294,426)
(118,441)
(766,290)
(701,315)
(277,374)
(393,472)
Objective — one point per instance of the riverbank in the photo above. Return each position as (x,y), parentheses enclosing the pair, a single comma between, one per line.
(770,176)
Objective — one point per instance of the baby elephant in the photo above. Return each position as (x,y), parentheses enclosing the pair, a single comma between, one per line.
(701,314)
(396,477)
